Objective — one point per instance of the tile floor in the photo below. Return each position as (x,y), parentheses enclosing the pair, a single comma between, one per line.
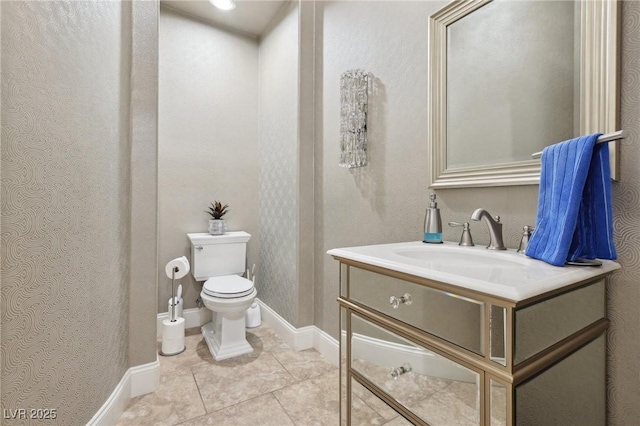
(278,386)
(274,385)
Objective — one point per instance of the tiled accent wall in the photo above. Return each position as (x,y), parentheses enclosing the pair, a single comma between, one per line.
(278,182)
(624,289)
(65,204)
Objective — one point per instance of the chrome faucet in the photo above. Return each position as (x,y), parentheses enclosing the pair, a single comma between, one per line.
(495,228)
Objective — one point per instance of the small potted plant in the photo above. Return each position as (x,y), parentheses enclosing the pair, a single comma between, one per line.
(217,225)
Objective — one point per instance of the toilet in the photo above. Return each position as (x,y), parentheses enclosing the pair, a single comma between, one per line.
(218,260)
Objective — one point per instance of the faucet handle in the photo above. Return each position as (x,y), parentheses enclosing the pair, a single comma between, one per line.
(524,241)
(465,238)
(497,218)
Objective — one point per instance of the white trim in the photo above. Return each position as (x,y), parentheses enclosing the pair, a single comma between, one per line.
(114,406)
(145,378)
(193,317)
(297,338)
(327,346)
(301,338)
(136,381)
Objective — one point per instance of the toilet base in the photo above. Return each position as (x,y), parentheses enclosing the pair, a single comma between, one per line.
(226,337)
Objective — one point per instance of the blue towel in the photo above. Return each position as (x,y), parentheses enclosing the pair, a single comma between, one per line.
(574,206)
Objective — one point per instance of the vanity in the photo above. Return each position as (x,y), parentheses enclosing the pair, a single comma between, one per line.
(448,335)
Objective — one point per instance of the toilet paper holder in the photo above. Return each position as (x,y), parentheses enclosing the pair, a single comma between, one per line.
(176,268)
(173,327)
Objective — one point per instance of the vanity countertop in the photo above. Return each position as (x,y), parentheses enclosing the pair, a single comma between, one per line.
(504,274)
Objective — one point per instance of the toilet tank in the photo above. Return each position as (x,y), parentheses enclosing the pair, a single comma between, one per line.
(215,255)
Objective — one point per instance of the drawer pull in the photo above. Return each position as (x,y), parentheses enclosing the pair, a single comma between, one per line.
(396,301)
(398,371)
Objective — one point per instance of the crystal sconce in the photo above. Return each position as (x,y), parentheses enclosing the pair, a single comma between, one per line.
(354,87)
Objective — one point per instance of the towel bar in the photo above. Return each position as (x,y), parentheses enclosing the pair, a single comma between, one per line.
(614,136)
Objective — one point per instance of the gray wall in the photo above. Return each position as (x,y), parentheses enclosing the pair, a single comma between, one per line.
(65,204)
(278,200)
(385,201)
(624,292)
(144,183)
(208,138)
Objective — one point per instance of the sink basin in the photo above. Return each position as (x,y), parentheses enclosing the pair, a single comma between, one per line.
(505,274)
(454,257)
(475,263)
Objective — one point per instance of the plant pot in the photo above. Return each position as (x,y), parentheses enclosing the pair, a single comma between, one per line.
(217,226)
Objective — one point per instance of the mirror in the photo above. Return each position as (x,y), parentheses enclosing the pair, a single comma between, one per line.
(508,78)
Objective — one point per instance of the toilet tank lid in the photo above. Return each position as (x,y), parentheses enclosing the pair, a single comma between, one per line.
(202,238)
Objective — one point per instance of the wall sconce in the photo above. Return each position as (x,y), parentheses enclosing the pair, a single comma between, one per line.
(354,88)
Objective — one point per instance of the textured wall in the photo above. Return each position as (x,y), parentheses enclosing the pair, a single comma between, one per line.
(384,201)
(144,183)
(624,290)
(208,138)
(306,158)
(278,203)
(65,204)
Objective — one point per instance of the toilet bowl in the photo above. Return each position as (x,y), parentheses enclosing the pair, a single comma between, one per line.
(228,297)
(218,260)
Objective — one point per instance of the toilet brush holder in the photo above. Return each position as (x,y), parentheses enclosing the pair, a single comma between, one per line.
(252,316)
(178,307)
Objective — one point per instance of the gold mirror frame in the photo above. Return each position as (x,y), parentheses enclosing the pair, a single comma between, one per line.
(599,94)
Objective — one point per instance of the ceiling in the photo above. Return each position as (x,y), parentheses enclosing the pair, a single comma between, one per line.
(251,17)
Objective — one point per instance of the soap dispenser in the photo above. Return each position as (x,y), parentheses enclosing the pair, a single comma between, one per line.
(432,223)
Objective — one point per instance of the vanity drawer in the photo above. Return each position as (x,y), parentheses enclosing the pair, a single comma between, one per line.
(434,388)
(456,319)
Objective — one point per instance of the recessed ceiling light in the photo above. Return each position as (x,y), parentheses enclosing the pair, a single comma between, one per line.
(224,4)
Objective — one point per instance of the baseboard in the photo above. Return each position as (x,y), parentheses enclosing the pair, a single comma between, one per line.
(327,346)
(301,338)
(298,338)
(145,378)
(114,406)
(193,317)
(136,381)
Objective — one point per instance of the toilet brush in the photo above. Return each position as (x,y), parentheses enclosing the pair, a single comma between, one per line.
(177,301)
(172,314)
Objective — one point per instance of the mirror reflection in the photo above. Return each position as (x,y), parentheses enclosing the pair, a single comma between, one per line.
(512,81)
(436,389)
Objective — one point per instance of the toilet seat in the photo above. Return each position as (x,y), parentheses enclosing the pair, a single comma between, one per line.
(228,287)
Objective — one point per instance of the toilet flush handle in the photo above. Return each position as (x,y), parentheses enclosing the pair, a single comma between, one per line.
(199,247)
